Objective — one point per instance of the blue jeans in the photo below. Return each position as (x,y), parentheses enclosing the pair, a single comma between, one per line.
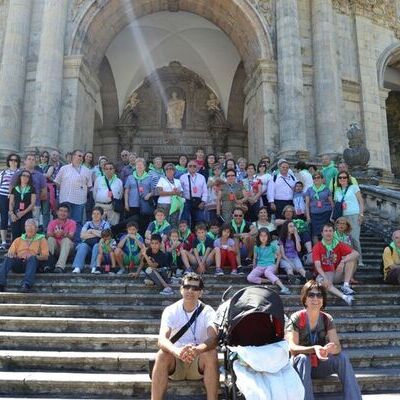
(82,250)
(76,212)
(4,212)
(45,208)
(18,265)
(192,216)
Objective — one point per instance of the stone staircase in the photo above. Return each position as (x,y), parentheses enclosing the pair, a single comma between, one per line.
(85,336)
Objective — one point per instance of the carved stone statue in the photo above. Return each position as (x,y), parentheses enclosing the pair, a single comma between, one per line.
(357,155)
(132,102)
(175,111)
(213,104)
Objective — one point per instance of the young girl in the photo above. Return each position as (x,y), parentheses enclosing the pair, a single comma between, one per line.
(106,256)
(343,230)
(290,246)
(266,260)
(227,247)
(174,248)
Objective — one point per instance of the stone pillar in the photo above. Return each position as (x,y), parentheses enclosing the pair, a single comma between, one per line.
(49,74)
(327,82)
(261,111)
(386,161)
(290,80)
(13,73)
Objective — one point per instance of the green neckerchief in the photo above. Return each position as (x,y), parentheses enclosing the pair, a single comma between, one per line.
(331,165)
(238,229)
(158,170)
(342,237)
(317,190)
(201,247)
(300,224)
(179,168)
(88,166)
(110,181)
(330,247)
(210,172)
(394,247)
(177,203)
(140,178)
(212,235)
(184,236)
(38,236)
(43,165)
(106,246)
(159,228)
(132,245)
(23,191)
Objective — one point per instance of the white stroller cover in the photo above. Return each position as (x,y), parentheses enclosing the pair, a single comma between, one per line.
(265,373)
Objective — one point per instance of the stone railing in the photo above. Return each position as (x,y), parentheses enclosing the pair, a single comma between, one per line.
(382,209)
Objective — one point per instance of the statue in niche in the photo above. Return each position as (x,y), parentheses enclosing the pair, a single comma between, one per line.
(132,102)
(175,111)
(213,104)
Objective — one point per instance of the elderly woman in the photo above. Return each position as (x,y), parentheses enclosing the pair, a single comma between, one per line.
(315,345)
(231,195)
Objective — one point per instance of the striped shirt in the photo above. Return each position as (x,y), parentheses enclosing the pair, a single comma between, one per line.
(74,184)
(5,179)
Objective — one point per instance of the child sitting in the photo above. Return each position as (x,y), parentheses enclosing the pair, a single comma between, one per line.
(266,260)
(290,247)
(174,248)
(299,201)
(157,266)
(159,226)
(203,253)
(226,244)
(213,230)
(106,257)
(127,253)
(186,236)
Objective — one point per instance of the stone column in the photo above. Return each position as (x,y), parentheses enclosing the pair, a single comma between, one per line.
(327,82)
(261,111)
(49,76)
(290,80)
(13,73)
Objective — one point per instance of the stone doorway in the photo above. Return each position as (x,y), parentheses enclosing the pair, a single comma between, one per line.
(393,123)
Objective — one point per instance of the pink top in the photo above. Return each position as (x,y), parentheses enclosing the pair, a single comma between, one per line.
(68,226)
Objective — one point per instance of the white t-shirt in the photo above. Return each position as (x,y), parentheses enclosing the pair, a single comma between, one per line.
(174,317)
(167,186)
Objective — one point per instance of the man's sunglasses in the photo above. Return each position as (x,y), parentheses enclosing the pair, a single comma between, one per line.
(193,287)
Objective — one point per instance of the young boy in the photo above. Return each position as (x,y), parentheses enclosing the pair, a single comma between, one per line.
(203,253)
(299,201)
(106,256)
(159,226)
(157,266)
(128,250)
(213,230)
(174,248)
(185,235)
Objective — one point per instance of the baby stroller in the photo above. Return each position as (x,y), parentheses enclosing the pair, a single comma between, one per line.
(250,321)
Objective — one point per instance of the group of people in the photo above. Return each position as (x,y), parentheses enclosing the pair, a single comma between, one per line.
(165,220)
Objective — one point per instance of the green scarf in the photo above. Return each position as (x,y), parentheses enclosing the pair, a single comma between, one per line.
(331,165)
(23,191)
(201,247)
(210,172)
(106,246)
(184,236)
(318,190)
(177,203)
(237,228)
(179,168)
(394,247)
(211,235)
(159,228)
(133,246)
(342,237)
(300,224)
(38,236)
(140,178)
(43,165)
(110,181)
(330,247)
(158,170)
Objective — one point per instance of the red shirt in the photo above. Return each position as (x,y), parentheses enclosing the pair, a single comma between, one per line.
(68,226)
(329,262)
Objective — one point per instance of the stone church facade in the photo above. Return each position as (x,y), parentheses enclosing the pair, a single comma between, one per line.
(278,77)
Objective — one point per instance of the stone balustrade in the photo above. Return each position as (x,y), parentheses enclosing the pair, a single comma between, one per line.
(382,209)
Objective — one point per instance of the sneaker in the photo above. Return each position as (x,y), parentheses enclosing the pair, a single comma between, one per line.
(219,272)
(148,282)
(248,261)
(234,272)
(309,275)
(121,271)
(178,273)
(187,271)
(59,270)
(348,299)
(3,247)
(285,290)
(347,290)
(47,269)
(25,288)
(175,280)
(76,270)
(96,270)
(291,279)
(2,288)
(167,291)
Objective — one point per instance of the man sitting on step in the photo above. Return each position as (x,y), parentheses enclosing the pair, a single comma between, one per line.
(391,260)
(187,342)
(24,256)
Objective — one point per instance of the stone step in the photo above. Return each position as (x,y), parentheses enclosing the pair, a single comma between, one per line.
(137,386)
(41,324)
(135,362)
(155,311)
(385,296)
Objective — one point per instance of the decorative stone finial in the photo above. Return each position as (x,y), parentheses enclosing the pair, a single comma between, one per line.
(357,155)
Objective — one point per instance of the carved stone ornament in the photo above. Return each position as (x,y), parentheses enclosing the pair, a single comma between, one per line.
(357,156)
(382,12)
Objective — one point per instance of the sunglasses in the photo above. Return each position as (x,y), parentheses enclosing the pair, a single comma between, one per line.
(193,287)
(317,177)
(262,165)
(314,295)
(238,215)
(108,169)
(342,177)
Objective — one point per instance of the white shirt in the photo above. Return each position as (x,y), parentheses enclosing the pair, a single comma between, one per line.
(306,178)
(174,317)
(166,186)
(100,190)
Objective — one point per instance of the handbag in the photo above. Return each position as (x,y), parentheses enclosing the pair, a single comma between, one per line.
(180,333)
(118,204)
(194,201)
(337,211)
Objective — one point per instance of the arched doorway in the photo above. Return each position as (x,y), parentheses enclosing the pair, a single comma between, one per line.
(237,21)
